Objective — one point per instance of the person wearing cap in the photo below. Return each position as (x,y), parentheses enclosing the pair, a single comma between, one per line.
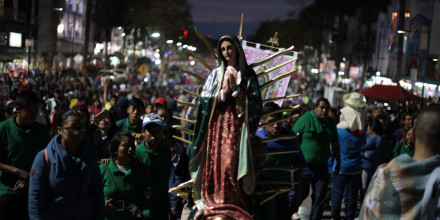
(161,101)
(133,123)
(157,155)
(317,132)
(348,177)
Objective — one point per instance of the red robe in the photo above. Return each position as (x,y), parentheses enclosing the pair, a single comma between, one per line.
(220,192)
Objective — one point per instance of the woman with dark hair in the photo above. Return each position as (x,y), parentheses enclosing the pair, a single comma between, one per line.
(370,152)
(127,182)
(65,182)
(102,130)
(228,112)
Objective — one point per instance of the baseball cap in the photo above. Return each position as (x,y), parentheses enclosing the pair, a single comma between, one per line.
(161,101)
(152,118)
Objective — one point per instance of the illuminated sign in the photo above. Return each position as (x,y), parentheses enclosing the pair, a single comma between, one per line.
(15,39)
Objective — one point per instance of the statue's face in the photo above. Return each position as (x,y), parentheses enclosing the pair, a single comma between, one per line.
(229,51)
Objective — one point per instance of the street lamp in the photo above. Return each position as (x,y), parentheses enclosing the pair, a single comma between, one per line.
(155,35)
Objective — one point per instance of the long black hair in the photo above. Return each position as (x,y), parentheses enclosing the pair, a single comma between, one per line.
(376,126)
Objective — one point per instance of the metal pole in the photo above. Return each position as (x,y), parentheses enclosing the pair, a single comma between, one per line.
(427,50)
(74,31)
(378,51)
(29,59)
(400,26)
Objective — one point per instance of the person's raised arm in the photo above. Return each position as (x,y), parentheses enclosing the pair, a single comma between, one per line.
(106,88)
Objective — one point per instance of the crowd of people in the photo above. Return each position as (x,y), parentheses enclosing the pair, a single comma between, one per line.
(75,146)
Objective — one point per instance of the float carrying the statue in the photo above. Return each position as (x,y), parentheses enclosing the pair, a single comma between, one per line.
(227,158)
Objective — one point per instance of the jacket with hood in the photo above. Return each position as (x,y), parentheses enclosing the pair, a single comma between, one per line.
(61,188)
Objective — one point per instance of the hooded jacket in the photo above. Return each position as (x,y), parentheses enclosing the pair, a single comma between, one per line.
(66,189)
(350,152)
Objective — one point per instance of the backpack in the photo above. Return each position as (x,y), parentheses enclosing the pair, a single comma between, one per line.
(46,161)
(49,164)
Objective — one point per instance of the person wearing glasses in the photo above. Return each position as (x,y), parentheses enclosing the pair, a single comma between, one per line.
(65,179)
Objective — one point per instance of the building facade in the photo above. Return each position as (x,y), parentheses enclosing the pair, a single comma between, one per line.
(18,32)
(70,24)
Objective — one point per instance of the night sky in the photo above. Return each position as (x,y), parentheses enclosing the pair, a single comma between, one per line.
(219,17)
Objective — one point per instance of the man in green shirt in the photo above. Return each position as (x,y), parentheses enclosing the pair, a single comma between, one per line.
(21,138)
(317,132)
(155,154)
(133,123)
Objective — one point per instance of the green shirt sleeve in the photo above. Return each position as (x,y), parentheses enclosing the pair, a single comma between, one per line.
(138,156)
(141,154)
(146,214)
(298,127)
(119,123)
(104,174)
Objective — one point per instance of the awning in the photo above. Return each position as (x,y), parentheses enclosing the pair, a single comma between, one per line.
(394,93)
(11,57)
